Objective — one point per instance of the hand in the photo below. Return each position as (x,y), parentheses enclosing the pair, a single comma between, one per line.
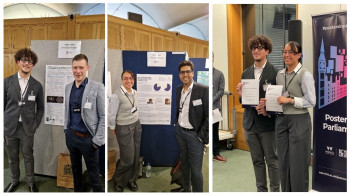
(261,107)
(114,132)
(239,89)
(94,146)
(283,100)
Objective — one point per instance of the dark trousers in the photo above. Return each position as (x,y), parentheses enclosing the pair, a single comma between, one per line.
(129,141)
(19,140)
(262,147)
(83,147)
(293,138)
(216,142)
(191,150)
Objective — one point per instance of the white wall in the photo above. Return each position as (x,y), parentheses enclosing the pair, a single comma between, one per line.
(219,46)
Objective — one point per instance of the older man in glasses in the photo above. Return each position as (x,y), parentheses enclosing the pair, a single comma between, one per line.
(23,111)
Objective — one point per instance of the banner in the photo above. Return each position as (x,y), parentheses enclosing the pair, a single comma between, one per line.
(330,117)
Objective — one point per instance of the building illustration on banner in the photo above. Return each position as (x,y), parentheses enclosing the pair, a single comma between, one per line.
(332,74)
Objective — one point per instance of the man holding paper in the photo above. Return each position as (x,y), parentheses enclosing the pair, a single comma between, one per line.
(260,129)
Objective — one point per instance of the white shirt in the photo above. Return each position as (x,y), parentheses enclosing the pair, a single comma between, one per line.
(123,90)
(23,84)
(258,71)
(185,104)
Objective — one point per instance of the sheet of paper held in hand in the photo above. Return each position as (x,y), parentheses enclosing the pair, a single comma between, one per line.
(250,92)
(272,93)
(216,115)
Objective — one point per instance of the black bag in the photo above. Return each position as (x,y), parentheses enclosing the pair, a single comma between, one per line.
(176,174)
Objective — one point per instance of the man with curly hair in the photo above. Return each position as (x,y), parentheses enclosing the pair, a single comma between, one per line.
(23,111)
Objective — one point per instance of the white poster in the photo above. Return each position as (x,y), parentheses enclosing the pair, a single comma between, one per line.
(154,102)
(68,49)
(156,59)
(57,76)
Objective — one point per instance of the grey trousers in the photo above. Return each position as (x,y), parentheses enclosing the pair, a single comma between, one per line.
(12,145)
(262,147)
(293,138)
(129,141)
(191,150)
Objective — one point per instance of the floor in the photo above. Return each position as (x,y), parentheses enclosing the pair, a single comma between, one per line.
(237,174)
(158,182)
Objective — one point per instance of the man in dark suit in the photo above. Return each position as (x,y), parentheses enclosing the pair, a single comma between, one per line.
(23,111)
(84,123)
(192,126)
(260,129)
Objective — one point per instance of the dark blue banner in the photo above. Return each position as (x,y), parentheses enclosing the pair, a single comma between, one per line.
(330,117)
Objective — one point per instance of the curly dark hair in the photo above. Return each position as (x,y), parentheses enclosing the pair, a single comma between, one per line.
(263,40)
(26,53)
(186,63)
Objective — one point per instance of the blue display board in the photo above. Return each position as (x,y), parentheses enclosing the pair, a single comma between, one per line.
(158,144)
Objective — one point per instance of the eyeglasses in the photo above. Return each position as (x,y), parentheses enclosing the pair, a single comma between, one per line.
(25,60)
(185,72)
(289,52)
(257,47)
(130,78)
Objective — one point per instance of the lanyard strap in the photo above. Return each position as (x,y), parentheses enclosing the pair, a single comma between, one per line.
(182,104)
(24,92)
(133,98)
(285,78)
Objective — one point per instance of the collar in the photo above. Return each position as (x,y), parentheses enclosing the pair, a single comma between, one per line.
(189,88)
(19,76)
(86,80)
(123,90)
(255,67)
(283,71)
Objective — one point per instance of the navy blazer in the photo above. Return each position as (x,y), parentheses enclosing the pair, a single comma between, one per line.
(198,115)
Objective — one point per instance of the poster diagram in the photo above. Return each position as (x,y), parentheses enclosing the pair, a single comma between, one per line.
(57,76)
(154,98)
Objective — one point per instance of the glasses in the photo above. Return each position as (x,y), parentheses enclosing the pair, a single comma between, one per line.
(257,47)
(25,60)
(185,72)
(130,78)
(289,52)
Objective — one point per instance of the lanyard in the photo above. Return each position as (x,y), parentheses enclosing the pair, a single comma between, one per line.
(182,104)
(285,78)
(133,98)
(24,92)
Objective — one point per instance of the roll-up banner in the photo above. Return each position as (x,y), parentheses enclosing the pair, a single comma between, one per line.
(330,117)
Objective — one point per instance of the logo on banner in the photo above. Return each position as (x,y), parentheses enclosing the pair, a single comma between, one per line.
(329,150)
(342,153)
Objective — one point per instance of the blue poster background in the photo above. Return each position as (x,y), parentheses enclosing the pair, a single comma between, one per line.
(330,117)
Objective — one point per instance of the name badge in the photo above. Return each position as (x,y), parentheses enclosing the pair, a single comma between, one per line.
(31,98)
(133,110)
(21,103)
(285,94)
(197,102)
(88,105)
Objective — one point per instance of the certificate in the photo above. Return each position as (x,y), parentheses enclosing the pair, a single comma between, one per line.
(272,93)
(250,92)
(216,116)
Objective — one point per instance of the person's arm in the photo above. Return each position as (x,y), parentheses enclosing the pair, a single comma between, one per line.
(204,132)
(308,88)
(221,89)
(113,106)
(99,138)
(40,106)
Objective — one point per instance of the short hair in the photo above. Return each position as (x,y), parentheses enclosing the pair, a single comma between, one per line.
(262,40)
(26,53)
(186,63)
(79,57)
(295,47)
(128,71)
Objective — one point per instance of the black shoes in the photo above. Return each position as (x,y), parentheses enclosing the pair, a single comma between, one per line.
(133,186)
(32,188)
(118,188)
(11,187)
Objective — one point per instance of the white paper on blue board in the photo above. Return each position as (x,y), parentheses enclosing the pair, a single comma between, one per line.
(156,59)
